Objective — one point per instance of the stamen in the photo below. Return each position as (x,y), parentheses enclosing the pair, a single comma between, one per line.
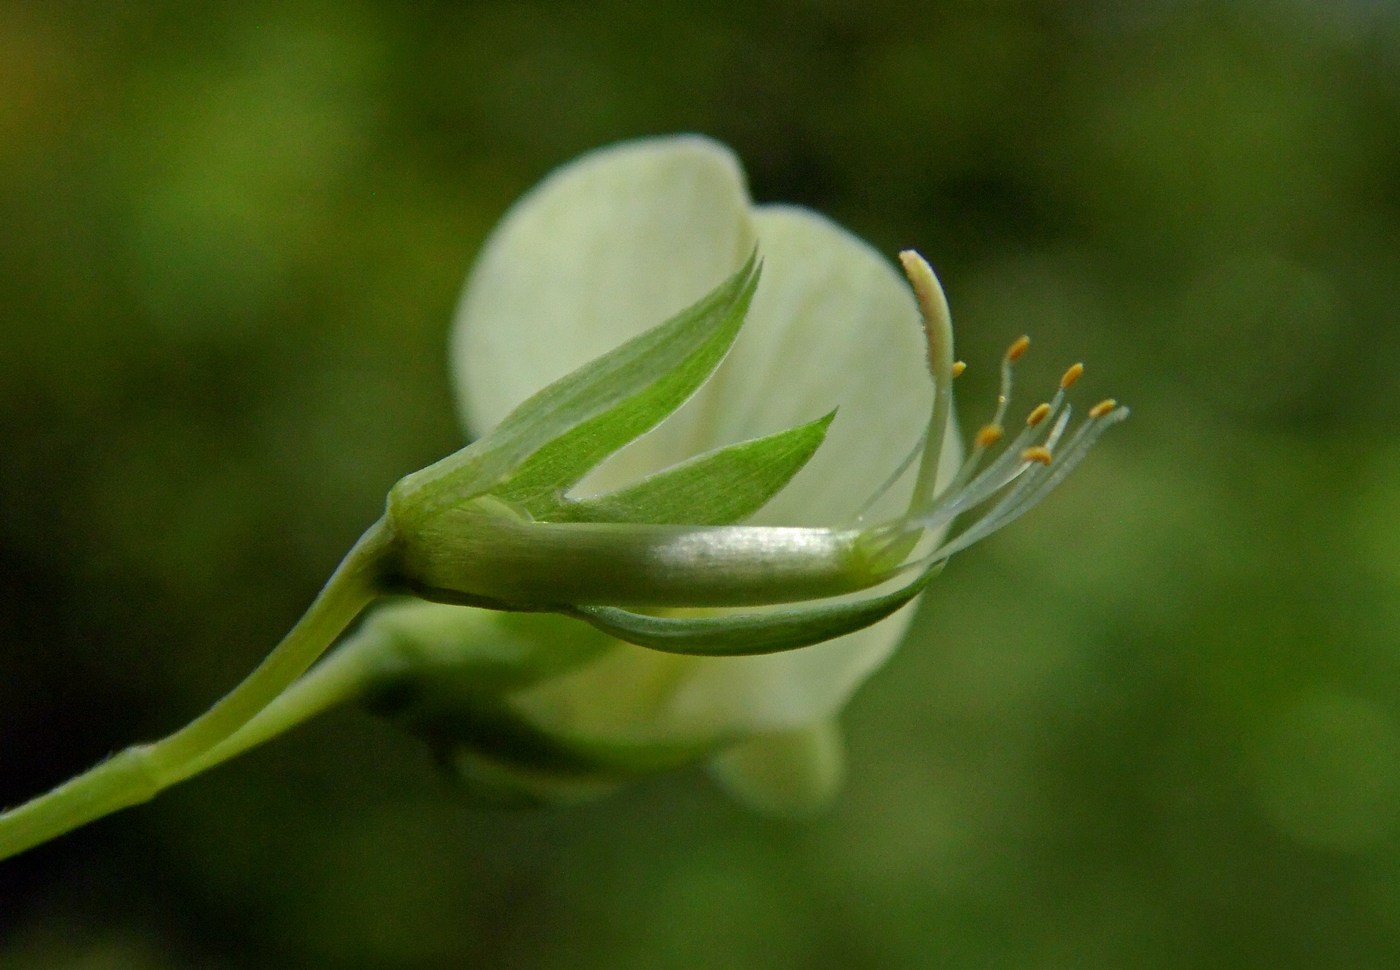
(964,494)
(989,435)
(889,482)
(970,488)
(1017,476)
(1020,475)
(1004,392)
(1031,489)
(1071,455)
(1058,428)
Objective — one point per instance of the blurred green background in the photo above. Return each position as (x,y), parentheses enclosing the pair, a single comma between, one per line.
(1155,724)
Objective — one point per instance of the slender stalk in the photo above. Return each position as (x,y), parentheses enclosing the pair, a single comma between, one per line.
(338,679)
(138,773)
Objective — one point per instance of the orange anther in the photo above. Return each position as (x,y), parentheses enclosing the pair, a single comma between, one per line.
(1038,453)
(1070,376)
(989,435)
(1037,415)
(958,367)
(1103,407)
(1014,352)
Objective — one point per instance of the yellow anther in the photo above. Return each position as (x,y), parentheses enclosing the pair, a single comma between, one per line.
(989,435)
(1038,453)
(1014,352)
(1103,407)
(1037,415)
(1075,372)
(958,367)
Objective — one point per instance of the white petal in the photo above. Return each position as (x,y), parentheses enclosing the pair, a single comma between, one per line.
(793,774)
(615,243)
(833,325)
(604,248)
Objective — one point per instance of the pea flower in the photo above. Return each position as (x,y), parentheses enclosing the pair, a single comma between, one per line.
(603,249)
(646,360)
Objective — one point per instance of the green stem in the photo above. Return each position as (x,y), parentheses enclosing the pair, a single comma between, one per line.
(338,679)
(140,772)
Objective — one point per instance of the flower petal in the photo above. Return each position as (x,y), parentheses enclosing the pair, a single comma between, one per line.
(833,324)
(604,248)
(615,243)
(793,774)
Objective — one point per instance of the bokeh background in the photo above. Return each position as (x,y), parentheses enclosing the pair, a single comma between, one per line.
(1156,724)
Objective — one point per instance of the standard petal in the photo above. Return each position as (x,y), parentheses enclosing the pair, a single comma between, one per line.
(606,247)
(615,243)
(833,324)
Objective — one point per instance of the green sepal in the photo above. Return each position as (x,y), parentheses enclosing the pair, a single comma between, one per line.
(748,634)
(496,757)
(447,653)
(562,432)
(494,731)
(446,676)
(717,488)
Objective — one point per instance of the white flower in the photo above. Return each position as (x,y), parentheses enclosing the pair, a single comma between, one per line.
(606,297)
(604,249)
